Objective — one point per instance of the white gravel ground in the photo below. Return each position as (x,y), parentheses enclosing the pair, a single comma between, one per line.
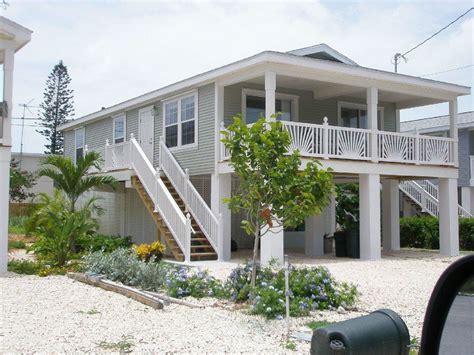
(56,314)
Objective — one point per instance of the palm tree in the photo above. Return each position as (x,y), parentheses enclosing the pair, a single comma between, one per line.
(73,179)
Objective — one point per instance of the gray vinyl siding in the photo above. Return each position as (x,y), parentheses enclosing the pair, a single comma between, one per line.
(69,144)
(198,160)
(309,109)
(97,133)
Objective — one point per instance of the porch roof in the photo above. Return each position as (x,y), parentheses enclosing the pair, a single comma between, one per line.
(340,73)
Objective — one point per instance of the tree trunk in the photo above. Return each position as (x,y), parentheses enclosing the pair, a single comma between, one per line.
(72,237)
(254,260)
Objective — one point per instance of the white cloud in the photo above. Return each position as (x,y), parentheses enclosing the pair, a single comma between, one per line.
(115,51)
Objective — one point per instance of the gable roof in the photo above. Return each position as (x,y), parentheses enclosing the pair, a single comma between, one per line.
(272,57)
(324,52)
(438,123)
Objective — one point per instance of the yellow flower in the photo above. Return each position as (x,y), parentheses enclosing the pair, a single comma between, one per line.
(146,251)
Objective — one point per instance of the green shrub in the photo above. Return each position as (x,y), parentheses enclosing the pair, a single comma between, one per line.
(26,267)
(182,283)
(106,243)
(122,265)
(17,224)
(312,288)
(466,233)
(29,267)
(423,232)
(58,227)
(16,244)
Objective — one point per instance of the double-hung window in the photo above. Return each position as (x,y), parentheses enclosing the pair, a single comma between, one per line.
(180,120)
(254,106)
(79,142)
(355,116)
(119,129)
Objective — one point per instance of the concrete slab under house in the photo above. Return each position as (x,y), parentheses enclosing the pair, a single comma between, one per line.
(164,147)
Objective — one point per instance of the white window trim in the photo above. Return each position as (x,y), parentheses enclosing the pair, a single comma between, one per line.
(353,105)
(115,118)
(83,129)
(178,98)
(261,93)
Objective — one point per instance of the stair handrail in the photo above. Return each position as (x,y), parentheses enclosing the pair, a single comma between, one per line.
(178,224)
(429,192)
(193,200)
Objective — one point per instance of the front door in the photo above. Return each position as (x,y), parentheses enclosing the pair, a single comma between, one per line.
(146,131)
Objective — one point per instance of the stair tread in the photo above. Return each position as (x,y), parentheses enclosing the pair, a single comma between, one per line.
(204,254)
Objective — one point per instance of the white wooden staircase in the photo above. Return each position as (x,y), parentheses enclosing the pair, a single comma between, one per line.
(184,220)
(425,194)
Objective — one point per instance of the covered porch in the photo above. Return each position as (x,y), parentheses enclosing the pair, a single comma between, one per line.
(351,124)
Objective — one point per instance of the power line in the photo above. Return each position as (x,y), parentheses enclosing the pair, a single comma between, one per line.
(398,56)
(26,125)
(449,70)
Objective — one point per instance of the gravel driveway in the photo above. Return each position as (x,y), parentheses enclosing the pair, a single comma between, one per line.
(57,314)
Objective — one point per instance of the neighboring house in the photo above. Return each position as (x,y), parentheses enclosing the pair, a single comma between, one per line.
(439,127)
(30,162)
(343,114)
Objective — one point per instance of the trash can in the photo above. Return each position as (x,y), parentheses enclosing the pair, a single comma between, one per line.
(352,244)
(340,238)
(380,332)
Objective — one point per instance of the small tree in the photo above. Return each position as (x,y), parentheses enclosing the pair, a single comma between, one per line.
(73,179)
(20,182)
(57,108)
(274,192)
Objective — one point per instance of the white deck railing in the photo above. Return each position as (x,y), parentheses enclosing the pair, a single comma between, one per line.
(129,155)
(335,142)
(425,194)
(203,215)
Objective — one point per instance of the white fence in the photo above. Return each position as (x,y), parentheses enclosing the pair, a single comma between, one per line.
(335,142)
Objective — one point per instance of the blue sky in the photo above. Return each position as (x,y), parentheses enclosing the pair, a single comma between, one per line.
(118,50)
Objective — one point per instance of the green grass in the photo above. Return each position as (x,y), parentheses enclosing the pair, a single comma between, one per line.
(318,324)
(16,244)
(90,312)
(17,224)
(26,267)
(123,346)
(290,345)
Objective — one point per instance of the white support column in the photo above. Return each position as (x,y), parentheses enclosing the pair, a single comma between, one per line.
(332,216)
(397,119)
(313,235)
(221,185)
(270,88)
(390,215)
(8,65)
(5,156)
(272,246)
(448,217)
(453,128)
(466,198)
(372,103)
(369,207)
